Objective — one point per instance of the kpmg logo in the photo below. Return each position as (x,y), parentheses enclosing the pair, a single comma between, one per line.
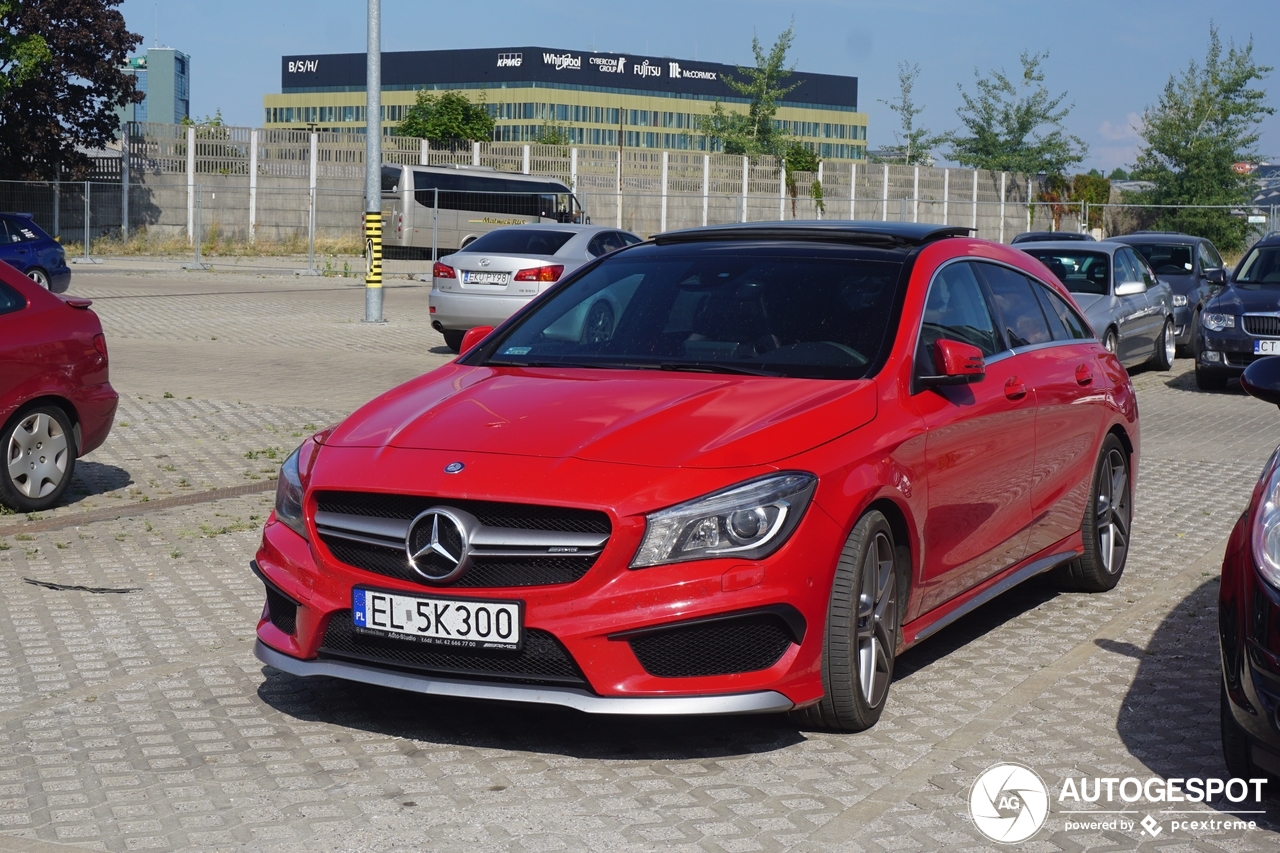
(678,73)
(304,66)
(644,69)
(562,61)
(510,60)
(609,65)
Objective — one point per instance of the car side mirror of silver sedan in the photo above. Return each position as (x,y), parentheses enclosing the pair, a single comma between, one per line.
(1130,288)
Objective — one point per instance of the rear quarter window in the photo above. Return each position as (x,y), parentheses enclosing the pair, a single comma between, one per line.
(10,299)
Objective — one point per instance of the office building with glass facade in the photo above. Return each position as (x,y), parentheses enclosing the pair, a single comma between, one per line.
(607,99)
(163,75)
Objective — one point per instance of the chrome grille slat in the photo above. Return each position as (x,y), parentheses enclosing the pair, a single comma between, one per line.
(1262,325)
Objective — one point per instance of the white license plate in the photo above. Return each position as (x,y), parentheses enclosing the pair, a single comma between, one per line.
(470,277)
(1266,347)
(458,622)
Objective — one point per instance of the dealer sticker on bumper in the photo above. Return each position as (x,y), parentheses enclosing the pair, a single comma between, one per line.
(458,622)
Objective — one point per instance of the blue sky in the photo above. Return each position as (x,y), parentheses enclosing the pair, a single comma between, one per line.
(1112,58)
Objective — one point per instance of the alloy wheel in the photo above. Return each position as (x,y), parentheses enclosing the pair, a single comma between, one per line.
(877,621)
(39,277)
(1112,512)
(1109,341)
(37,455)
(1170,343)
(599,324)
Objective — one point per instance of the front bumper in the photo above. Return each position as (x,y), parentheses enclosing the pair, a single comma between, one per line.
(461,311)
(1227,352)
(1184,329)
(759,702)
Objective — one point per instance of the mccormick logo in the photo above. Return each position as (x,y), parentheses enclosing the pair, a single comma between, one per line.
(644,69)
(561,61)
(687,73)
(302,66)
(609,65)
(510,60)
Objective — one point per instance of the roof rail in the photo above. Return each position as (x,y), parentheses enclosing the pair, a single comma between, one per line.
(868,233)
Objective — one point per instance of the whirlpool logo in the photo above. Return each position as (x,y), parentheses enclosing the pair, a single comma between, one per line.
(562,61)
(1008,803)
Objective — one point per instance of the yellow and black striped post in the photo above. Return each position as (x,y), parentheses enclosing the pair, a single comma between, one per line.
(373,267)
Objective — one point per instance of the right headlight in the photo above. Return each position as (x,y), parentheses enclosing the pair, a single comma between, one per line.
(1218,322)
(749,521)
(1266,525)
(1179,300)
(289,496)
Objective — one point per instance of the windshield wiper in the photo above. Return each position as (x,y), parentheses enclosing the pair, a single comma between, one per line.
(599,365)
(699,367)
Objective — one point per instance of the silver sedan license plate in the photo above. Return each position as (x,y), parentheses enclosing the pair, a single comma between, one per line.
(459,622)
(472,277)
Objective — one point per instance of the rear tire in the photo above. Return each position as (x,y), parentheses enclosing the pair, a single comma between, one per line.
(1106,526)
(1210,380)
(39,276)
(861,637)
(39,459)
(1162,358)
(453,338)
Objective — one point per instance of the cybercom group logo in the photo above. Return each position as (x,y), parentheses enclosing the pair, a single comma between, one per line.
(1008,803)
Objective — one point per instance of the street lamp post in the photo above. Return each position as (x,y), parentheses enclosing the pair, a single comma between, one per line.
(373,168)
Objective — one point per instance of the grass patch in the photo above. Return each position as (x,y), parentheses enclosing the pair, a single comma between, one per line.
(216,244)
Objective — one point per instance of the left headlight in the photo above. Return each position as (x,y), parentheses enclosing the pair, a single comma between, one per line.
(750,521)
(1179,300)
(1218,322)
(1266,525)
(289,496)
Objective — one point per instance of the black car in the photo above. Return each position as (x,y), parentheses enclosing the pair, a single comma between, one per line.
(1045,236)
(1249,612)
(1192,267)
(1241,323)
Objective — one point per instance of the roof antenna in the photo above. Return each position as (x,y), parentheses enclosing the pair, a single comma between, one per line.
(156,9)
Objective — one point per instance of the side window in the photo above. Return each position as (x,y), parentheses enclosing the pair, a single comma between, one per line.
(955,310)
(1125,271)
(1023,321)
(1209,257)
(1075,325)
(630,239)
(596,247)
(1056,326)
(6,236)
(11,300)
(1143,268)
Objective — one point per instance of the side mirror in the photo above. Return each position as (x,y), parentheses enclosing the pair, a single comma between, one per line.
(1131,288)
(957,364)
(473,337)
(1216,278)
(1262,379)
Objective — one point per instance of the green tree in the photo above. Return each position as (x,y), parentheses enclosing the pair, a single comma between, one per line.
(1205,121)
(1015,125)
(62,78)
(447,118)
(913,145)
(754,132)
(1118,174)
(799,158)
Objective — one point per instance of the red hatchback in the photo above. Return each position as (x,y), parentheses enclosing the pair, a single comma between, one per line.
(55,401)
(801,449)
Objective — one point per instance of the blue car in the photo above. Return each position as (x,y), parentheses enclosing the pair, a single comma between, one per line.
(25,246)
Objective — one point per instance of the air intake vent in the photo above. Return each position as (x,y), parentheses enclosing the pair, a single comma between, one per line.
(722,646)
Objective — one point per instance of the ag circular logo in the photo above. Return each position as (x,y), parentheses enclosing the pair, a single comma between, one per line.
(1008,803)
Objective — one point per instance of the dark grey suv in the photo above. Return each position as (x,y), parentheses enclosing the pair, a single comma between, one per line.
(1193,269)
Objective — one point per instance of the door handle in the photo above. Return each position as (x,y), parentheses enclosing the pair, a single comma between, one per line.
(1083,375)
(1015,388)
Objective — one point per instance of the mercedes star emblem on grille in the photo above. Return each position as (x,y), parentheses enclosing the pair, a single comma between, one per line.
(437,546)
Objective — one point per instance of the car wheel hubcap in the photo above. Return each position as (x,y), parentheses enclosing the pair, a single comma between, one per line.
(599,324)
(39,278)
(37,456)
(1170,344)
(1112,512)
(877,620)
(1109,342)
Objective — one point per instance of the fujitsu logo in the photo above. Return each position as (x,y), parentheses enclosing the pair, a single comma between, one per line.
(644,69)
(562,61)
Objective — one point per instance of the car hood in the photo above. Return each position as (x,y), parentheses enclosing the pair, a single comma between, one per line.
(1247,299)
(628,417)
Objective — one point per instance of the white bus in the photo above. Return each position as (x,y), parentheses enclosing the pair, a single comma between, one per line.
(472,200)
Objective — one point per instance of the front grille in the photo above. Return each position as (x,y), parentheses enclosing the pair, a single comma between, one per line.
(282,612)
(722,647)
(1241,359)
(1262,324)
(541,659)
(367,531)
(490,513)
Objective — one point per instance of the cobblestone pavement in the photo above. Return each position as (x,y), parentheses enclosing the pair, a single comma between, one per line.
(134,717)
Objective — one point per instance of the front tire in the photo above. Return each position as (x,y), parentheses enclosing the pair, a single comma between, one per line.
(598,327)
(1106,526)
(1110,342)
(1166,346)
(40,459)
(861,637)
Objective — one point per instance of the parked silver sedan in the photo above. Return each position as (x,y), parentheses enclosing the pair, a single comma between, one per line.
(1129,308)
(497,274)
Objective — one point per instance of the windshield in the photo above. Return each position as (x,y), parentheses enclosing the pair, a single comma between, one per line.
(521,241)
(813,311)
(1260,266)
(1167,259)
(1080,271)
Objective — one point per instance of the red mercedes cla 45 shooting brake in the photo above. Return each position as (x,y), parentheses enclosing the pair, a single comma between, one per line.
(798,450)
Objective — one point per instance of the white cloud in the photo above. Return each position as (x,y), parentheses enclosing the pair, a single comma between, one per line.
(1128,129)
